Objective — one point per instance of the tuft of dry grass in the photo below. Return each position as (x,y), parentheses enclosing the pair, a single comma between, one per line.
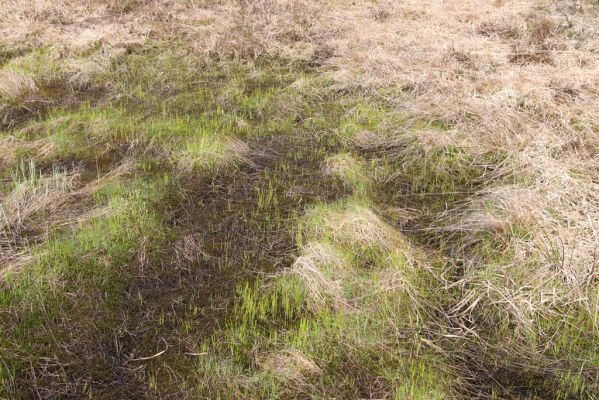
(213,153)
(502,28)
(39,204)
(496,209)
(14,85)
(31,197)
(321,268)
(30,210)
(356,225)
(289,365)
(7,151)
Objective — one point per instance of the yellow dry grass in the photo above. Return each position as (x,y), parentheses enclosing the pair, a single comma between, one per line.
(289,365)
(518,77)
(515,78)
(321,270)
(454,61)
(14,85)
(28,211)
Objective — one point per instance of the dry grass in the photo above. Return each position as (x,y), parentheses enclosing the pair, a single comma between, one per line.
(496,209)
(77,25)
(14,85)
(289,365)
(7,151)
(516,80)
(349,170)
(40,204)
(295,30)
(30,210)
(359,226)
(33,196)
(543,117)
(321,270)
(213,153)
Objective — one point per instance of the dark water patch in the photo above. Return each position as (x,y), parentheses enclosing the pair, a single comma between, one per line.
(224,228)
(60,95)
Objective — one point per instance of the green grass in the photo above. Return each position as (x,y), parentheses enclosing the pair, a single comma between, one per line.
(323,352)
(252,249)
(79,276)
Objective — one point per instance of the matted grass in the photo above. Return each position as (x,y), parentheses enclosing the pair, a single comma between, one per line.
(298,200)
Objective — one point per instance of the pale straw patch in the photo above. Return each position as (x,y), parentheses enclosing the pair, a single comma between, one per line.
(321,269)
(14,85)
(289,365)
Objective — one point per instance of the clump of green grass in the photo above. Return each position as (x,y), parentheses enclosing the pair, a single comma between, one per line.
(349,170)
(210,152)
(42,65)
(319,327)
(88,134)
(73,289)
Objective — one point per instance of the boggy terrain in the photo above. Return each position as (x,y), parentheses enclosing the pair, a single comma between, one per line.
(299,199)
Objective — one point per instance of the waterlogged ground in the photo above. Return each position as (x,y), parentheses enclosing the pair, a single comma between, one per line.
(237,226)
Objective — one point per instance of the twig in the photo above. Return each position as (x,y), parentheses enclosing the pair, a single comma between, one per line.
(151,357)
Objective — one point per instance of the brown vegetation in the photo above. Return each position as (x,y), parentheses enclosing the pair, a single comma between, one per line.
(307,198)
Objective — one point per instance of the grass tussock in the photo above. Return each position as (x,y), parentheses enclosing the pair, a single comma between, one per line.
(14,85)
